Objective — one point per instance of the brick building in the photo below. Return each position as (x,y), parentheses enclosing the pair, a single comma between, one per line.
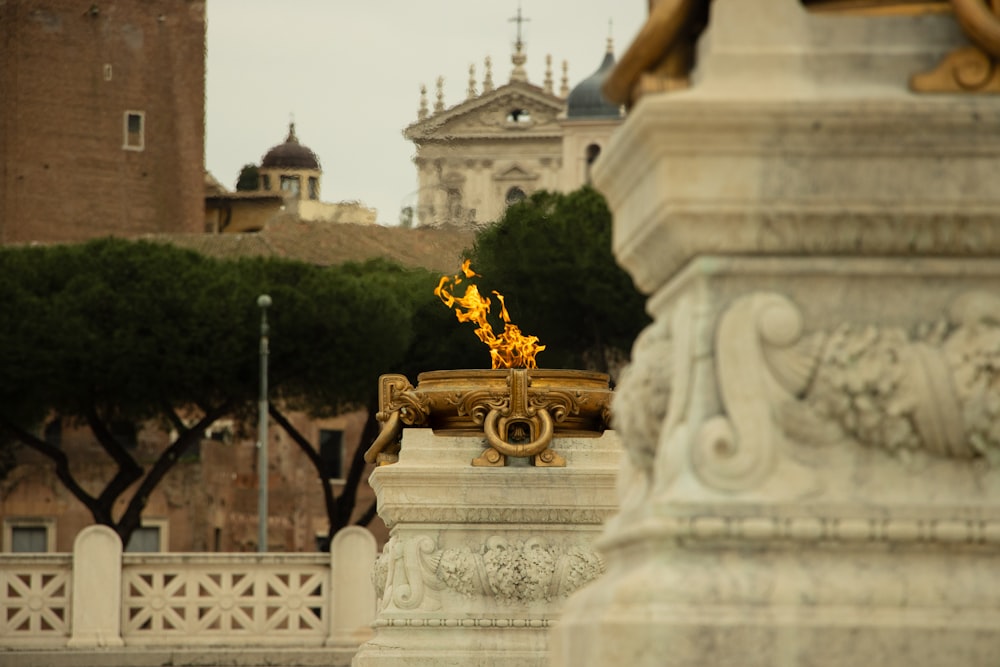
(101,118)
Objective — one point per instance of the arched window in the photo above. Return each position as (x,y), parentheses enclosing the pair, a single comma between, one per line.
(514,195)
(593,150)
(519,116)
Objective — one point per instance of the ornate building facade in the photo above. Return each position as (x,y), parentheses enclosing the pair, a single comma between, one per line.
(501,144)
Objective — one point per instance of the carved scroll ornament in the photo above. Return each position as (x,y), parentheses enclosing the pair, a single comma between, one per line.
(935,390)
(971,68)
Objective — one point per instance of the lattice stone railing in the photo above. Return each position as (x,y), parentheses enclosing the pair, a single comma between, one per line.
(35,599)
(273,599)
(98,597)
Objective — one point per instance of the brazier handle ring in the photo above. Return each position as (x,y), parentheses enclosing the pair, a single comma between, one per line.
(532,448)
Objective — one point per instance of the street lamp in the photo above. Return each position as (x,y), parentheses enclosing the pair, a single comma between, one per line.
(263,301)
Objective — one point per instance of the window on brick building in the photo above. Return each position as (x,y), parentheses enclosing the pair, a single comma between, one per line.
(124,432)
(150,537)
(135,130)
(53,432)
(331,452)
(29,535)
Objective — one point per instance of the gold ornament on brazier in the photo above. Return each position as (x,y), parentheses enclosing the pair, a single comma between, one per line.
(519,411)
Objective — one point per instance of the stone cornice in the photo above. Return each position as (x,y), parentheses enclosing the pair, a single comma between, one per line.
(503,96)
(782,530)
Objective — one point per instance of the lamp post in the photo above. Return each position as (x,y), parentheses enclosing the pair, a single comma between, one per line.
(263,301)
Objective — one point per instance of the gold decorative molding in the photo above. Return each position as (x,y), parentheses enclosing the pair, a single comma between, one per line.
(519,411)
(661,57)
(980,19)
(965,70)
(970,69)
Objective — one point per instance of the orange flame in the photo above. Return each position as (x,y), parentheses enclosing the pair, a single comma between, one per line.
(511,349)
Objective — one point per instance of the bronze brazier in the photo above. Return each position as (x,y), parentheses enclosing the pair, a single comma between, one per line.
(518,410)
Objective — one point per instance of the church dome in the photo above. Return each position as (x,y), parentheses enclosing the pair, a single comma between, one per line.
(586,99)
(290,155)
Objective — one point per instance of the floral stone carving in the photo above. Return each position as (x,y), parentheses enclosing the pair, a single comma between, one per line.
(935,389)
(411,573)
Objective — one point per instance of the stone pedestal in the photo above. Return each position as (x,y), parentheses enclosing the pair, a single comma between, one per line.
(811,422)
(480,559)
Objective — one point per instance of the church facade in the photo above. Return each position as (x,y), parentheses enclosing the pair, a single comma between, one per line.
(501,144)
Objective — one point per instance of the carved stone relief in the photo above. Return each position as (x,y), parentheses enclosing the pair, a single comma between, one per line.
(412,572)
(934,390)
(650,404)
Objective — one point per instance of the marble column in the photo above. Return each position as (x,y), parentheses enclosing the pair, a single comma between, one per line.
(811,424)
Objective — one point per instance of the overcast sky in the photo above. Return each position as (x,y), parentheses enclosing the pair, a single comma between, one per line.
(350,74)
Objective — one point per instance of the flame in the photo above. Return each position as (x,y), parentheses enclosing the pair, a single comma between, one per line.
(511,349)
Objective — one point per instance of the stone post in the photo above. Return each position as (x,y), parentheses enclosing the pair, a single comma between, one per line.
(352,603)
(480,559)
(810,423)
(97,589)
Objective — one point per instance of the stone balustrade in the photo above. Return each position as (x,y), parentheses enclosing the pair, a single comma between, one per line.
(98,601)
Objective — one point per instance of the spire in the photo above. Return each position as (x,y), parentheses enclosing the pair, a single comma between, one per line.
(488,77)
(472,82)
(564,84)
(439,104)
(519,58)
(422,111)
(548,74)
(291,138)
(611,39)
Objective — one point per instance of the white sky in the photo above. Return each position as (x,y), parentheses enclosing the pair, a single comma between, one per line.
(350,74)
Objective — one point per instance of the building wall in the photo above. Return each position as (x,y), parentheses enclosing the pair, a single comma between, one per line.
(270,181)
(577,137)
(207,502)
(70,70)
(237,214)
(354,213)
(480,174)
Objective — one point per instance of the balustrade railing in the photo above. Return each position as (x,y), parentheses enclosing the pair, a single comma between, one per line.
(99,597)
(166,599)
(35,599)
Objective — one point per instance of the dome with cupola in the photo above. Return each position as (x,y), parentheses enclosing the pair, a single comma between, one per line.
(586,99)
(291,154)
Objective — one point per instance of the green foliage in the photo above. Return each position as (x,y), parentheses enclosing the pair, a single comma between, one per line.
(115,330)
(127,328)
(550,256)
(436,340)
(248,179)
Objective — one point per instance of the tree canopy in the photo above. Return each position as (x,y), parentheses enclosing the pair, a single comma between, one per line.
(248,178)
(114,330)
(550,257)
